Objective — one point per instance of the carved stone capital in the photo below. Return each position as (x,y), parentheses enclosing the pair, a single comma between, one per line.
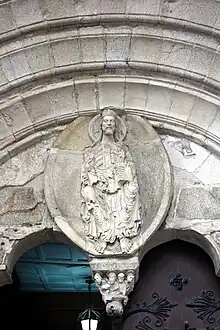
(115,279)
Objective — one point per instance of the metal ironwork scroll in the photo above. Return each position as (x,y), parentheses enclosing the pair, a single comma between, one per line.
(159,308)
(205,305)
(178,282)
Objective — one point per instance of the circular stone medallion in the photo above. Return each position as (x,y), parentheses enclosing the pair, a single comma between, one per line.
(108,183)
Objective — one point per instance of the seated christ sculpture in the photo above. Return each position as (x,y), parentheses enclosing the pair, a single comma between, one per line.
(109,188)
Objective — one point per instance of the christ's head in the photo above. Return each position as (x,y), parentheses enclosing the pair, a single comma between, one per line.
(108,123)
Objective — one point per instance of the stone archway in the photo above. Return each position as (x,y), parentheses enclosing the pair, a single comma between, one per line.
(61,60)
(49,286)
(14,243)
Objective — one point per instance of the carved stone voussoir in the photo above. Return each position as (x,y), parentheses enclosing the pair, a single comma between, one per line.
(115,280)
(108,183)
(10,236)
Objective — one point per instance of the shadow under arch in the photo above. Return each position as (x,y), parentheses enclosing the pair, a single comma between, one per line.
(205,242)
(49,303)
(29,241)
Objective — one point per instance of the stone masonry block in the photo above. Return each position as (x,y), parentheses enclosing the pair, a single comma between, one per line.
(39,107)
(201,206)
(175,54)
(117,48)
(86,95)
(61,100)
(145,49)
(7,22)
(20,64)
(113,6)
(111,94)
(201,60)
(39,58)
(16,117)
(196,11)
(93,48)
(136,96)
(202,113)
(66,52)
(30,9)
(159,99)
(59,9)
(143,7)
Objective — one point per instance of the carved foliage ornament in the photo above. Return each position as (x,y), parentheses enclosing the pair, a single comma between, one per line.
(109,189)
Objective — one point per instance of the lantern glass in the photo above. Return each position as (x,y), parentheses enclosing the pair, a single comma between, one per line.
(92,326)
(89,319)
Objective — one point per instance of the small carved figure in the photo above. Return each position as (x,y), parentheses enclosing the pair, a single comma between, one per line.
(103,286)
(129,282)
(109,188)
(114,287)
(121,283)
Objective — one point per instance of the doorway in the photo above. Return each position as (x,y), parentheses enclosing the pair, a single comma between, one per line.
(177,289)
(49,289)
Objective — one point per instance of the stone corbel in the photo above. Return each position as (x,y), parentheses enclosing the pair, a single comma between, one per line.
(115,279)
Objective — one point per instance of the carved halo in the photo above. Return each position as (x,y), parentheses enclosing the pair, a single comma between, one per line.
(95,124)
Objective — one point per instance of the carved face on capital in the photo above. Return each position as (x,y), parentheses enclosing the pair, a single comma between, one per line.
(121,277)
(130,277)
(112,278)
(108,125)
(98,278)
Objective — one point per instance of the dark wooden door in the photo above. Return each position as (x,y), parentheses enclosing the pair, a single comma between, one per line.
(177,289)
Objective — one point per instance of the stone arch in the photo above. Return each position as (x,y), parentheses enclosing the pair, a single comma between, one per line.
(177,108)
(116,39)
(13,249)
(114,54)
(206,242)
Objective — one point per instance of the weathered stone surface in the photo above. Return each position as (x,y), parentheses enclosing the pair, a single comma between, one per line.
(194,204)
(19,205)
(215,192)
(17,199)
(208,171)
(21,169)
(188,155)
(197,203)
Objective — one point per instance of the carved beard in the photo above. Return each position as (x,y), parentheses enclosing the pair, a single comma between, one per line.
(109,131)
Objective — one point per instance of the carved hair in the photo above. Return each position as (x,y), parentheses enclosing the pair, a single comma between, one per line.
(121,275)
(111,273)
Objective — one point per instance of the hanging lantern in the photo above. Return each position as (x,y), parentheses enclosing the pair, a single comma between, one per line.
(89,318)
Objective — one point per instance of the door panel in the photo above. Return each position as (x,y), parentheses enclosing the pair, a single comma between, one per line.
(177,289)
